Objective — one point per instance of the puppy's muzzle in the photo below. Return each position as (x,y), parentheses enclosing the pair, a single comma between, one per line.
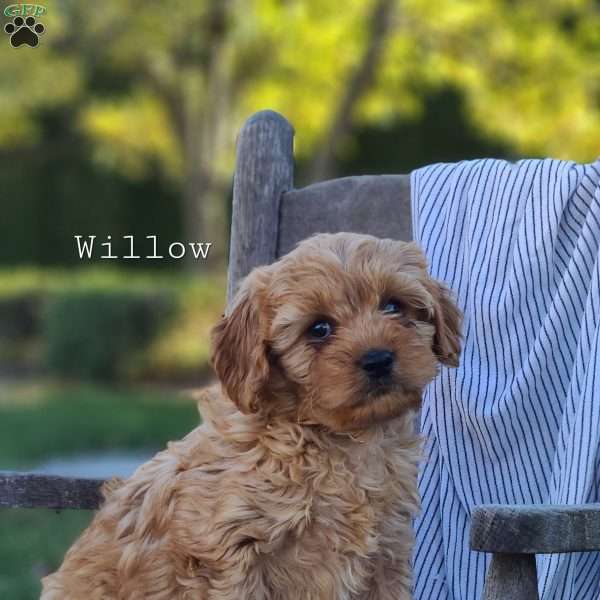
(377,363)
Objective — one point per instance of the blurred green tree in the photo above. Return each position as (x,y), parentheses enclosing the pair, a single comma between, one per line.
(171,82)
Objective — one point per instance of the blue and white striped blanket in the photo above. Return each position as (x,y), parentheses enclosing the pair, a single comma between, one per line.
(519,421)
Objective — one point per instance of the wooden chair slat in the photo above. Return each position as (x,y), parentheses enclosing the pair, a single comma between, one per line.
(374,204)
(264,170)
(540,529)
(29,490)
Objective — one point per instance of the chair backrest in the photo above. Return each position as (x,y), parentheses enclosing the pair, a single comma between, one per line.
(270,217)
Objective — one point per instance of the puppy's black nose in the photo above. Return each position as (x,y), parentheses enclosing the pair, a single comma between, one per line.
(377,362)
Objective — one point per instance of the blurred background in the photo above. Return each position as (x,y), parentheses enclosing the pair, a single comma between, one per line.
(122,122)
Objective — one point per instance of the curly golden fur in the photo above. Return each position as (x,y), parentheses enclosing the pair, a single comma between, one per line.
(301,482)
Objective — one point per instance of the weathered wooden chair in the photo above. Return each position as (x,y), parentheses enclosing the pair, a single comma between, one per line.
(269,218)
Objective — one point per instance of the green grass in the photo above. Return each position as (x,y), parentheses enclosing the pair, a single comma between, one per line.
(38,421)
(32,544)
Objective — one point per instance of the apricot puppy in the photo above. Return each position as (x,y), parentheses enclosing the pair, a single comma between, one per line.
(301,482)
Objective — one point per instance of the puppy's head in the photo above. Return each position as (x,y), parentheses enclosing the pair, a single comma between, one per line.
(344,331)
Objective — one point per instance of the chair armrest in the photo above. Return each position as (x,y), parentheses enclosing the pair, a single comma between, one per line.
(539,529)
(27,490)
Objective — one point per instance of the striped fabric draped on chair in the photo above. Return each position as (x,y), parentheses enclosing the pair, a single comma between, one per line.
(519,421)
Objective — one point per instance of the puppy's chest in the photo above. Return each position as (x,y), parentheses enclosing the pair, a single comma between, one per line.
(354,508)
(354,496)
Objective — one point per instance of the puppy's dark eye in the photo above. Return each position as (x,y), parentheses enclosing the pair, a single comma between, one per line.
(392,307)
(320,330)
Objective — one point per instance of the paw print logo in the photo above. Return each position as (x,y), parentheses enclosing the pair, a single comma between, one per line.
(24,31)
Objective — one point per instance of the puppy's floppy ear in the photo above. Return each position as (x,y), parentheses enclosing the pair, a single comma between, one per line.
(239,351)
(447,319)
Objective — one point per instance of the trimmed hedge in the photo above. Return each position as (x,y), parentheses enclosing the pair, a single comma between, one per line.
(108,323)
(19,316)
(97,334)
